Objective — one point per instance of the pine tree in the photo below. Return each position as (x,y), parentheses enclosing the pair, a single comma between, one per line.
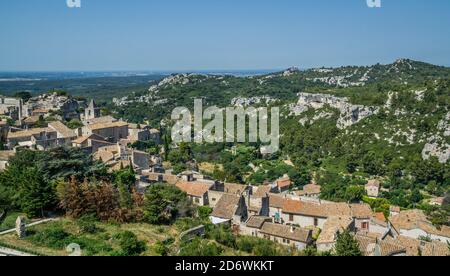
(346,245)
(72,198)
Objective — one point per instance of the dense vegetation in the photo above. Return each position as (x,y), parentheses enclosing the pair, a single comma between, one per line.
(412,100)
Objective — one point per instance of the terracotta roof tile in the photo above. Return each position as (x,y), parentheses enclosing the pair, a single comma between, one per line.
(284,182)
(257,221)
(287,232)
(107,125)
(276,201)
(226,207)
(332,226)
(416,219)
(237,189)
(196,189)
(262,191)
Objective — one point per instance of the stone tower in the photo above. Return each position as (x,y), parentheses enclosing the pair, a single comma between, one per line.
(92,111)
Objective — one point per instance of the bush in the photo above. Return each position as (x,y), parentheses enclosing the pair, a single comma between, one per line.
(54,237)
(87,224)
(222,234)
(198,247)
(204,212)
(257,246)
(130,245)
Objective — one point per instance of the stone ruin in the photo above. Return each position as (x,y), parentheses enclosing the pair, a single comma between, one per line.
(20,227)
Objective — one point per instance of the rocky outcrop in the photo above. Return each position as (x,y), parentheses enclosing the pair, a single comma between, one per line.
(436,148)
(349,114)
(436,145)
(240,101)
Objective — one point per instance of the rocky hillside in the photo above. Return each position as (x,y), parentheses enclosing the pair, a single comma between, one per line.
(381,120)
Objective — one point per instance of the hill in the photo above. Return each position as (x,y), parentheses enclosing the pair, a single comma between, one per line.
(384,121)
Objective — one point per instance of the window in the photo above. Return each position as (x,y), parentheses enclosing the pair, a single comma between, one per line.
(197,200)
(365,225)
(316,222)
(291,217)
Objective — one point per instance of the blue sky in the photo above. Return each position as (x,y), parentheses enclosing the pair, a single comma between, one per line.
(46,35)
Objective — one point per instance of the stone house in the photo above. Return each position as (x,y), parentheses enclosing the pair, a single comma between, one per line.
(414,247)
(332,227)
(378,224)
(415,224)
(56,134)
(283,184)
(220,188)
(196,191)
(311,214)
(312,191)
(94,142)
(113,132)
(286,235)
(13,108)
(253,225)
(263,227)
(305,214)
(143,133)
(100,120)
(377,247)
(257,205)
(373,188)
(230,209)
(63,133)
(276,203)
(362,213)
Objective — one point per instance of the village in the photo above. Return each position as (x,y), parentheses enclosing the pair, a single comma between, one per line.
(274,211)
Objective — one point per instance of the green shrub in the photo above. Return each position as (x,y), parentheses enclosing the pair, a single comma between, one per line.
(87,224)
(129,244)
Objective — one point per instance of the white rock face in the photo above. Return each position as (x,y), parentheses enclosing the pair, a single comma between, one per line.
(349,114)
(437,145)
(242,102)
(438,148)
(444,125)
(291,71)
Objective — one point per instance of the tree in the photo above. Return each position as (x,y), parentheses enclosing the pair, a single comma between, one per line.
(346,245)
(99,198)
(23,188)
(164,203)
(124,181)
(130,245)
(300,177)
(75,199)
(74,124)
(416,196)
(35,194)
(25,96)
(372,164)
(354,193)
